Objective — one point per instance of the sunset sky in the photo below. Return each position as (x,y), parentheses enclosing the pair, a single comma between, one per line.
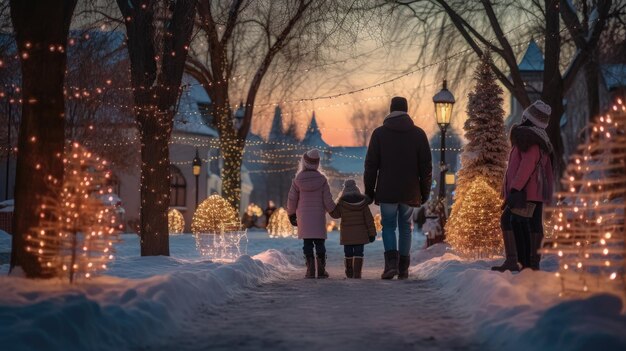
(382,63)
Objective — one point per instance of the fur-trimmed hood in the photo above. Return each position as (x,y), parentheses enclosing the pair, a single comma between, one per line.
(524,137)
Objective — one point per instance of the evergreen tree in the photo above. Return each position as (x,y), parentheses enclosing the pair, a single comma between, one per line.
(484,156)
(487,149)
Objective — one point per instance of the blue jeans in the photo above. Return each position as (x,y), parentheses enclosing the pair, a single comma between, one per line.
(396,216)
(353,250)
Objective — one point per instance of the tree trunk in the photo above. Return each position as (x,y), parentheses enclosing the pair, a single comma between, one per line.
(39,26)
(592,78)
(555,100)
(232,152)
(155,182)
(156,90)
(553,87)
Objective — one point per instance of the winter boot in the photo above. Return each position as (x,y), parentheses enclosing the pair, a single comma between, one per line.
(349,261)
(403,267)
(358,267)
(321,267)
(535,247)
(522,244)
(391,265)
(510,263)
(310,267)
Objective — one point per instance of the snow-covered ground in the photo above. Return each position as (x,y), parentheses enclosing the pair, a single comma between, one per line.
(260,301)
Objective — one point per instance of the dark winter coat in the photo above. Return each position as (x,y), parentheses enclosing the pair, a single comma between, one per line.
(357,222)
(398,165)
(530,166)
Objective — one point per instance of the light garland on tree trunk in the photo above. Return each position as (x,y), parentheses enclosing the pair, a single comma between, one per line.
(589,225)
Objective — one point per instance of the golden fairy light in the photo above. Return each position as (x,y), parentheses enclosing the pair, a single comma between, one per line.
(279,225)
(378,222)
(254,210)
(588,220)
(212,214)
(75,236)
(474,231)
(175,221)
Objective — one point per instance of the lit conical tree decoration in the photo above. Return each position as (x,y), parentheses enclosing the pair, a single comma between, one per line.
(279,225)
(212,215)
(589,224)
(175,221)
(75,237)
(477,231)
(484,157)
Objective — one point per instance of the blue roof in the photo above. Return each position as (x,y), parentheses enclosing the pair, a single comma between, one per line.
(533,59)
(189,119)
(614,75)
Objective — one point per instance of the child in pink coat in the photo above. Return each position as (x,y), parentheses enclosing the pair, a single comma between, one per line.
(309,201)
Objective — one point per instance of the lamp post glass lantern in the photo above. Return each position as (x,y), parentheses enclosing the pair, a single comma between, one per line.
(444,102)
(196,168)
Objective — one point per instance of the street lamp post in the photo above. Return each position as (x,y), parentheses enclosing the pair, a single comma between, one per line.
(197,166)
(444,102)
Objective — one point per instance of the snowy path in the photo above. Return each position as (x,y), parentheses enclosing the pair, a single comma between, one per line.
(298,314)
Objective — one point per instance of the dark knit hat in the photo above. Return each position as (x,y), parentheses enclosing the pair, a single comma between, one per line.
(350,187)
(398,103)
(538,113)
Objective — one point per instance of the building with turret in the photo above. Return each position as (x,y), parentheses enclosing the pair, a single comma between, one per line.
(611,83)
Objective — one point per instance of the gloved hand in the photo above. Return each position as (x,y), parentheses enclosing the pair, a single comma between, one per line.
(293,219)
(372,239)
(369,199)
(516,199)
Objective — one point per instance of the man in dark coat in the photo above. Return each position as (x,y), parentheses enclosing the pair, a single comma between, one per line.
(398,175)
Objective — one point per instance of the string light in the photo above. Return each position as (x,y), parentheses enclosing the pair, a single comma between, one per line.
(175,222)
(75,236)
(588,221)
(212,215)
(279,226)
(378,222)
(475,230)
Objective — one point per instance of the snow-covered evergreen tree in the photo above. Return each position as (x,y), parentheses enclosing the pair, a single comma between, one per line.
(487,149)
(486,152)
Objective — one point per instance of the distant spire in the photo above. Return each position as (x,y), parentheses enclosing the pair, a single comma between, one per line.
(533,58)
(276,132)
(313,135)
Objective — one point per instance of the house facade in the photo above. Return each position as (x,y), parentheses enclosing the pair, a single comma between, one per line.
(611,84)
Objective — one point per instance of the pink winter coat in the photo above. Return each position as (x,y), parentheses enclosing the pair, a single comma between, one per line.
(310,200)
(528,150)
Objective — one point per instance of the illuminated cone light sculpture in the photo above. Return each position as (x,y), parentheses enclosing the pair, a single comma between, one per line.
(279,225)
(175,222)
(218,231)
(475,230)
(75,236)
(589,217)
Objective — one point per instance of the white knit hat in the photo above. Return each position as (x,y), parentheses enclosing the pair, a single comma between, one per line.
(538,113)
(311,159)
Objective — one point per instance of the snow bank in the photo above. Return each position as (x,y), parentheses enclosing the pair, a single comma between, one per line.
(522,311)
(5,242)
(117,313)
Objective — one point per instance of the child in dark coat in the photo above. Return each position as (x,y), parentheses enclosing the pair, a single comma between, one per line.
(357,226)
